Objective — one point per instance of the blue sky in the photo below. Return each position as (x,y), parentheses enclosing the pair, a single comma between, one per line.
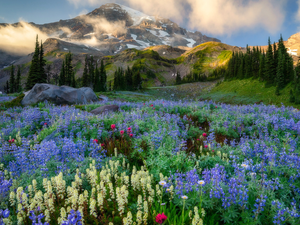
(234,22)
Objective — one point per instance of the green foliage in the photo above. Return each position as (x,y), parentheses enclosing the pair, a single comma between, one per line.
(13,103)
(36,72)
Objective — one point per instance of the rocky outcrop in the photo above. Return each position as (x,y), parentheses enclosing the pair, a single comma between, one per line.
(59,95)
(105,109)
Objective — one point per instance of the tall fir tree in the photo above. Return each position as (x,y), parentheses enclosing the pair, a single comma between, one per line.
(280,74)
(96,86)
(34,71)
(18,80)
(137,81)
(296,85)
(269,75)
(7,87)
(42,64)
(85,76)
(12,79)
(128,79)
(91,71)
(69,71)
(103,77)
(178,78)
(240,74)
(261,72)
(275,57)
(62,75)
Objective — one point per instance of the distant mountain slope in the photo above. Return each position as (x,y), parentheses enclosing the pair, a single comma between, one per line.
(158,64)
(112,28)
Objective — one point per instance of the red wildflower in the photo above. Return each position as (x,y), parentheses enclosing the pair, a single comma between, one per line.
(102,144)
(129,130)
(131,135)
(216,106)
(144,103)
(122,132)
(213,150)
(45,124)
(198,139)
(113,126)
(153,108)
(151,105)
(9,141)
(95,141)
(12,140)
(205,146)
(204,135)
(160,218)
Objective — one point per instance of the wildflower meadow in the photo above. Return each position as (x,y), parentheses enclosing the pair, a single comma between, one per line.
(154,162)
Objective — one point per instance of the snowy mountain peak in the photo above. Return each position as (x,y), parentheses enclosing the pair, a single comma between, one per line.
(137,16)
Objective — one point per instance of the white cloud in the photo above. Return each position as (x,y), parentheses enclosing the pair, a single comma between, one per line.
(298,12)
(211,16)
(20,39)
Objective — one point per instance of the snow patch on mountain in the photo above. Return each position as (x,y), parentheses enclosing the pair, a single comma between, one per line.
(137,16)
(142,43)
(192,42)
(132,46)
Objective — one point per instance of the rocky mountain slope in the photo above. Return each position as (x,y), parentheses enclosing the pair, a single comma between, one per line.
(158,64)
(112,28)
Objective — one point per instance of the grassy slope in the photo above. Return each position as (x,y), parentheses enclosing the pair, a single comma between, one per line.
(248,91)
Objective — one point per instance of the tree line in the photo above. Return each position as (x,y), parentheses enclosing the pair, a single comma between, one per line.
(93,76)
(274,67)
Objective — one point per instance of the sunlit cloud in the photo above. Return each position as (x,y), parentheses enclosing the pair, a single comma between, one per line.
(20,39)
(214,16)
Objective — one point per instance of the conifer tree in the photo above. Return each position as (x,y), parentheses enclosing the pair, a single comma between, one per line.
(103,77)
(178,78)
(248,65)
(7,87)
(91,71)
(269,76)
(42,63)
(275,56)
(85,77)
(292,96)
(18,80)
(297,83)
(12,79)
(62,75)
(97,83)
(128,79)
(137,80)
(280,74)
(34,71)
(69,71)
(241,69)
(261,72)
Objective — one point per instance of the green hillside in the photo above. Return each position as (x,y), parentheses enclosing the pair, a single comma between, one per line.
(248,91)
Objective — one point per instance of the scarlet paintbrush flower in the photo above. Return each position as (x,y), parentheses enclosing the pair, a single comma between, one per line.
(95,141)
(205,146)
(131,135)
(102,144)
(113,126)
(122,132)
(204,135)
(160,218)
(151,105)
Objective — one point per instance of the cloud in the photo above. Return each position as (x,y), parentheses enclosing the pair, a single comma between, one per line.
(298,12)
(228,16)
(214,16)
(20,39)
(103,26)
